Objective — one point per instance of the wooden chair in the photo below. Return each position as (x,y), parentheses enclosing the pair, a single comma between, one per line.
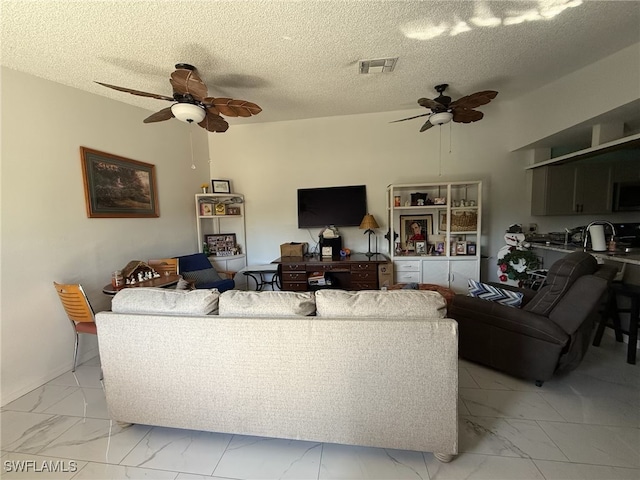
(164,266)
(79,311)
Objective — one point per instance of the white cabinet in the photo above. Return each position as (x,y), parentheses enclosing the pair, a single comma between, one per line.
(436,230)
(220,225)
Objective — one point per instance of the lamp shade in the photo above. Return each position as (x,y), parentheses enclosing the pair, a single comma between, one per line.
(368,223)
(188,112)
(441,118)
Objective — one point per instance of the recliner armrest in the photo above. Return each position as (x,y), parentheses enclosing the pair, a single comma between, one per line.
(465,308)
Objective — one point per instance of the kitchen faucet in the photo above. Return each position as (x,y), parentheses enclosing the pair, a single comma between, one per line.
(597,222)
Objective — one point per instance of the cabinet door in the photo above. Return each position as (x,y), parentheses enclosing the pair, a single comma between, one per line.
(435,271)
(553,191)
(593,188)
(460,271)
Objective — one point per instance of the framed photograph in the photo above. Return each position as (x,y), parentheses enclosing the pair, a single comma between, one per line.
(118,187)
(233,210)
(222,244)
(206,209)
(220,186)
(421,247)
(461,248)
(414,228)
(471,248)
(440,248)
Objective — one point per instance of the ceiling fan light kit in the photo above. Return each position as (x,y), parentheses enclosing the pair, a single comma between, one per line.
(440,118)
(188,112)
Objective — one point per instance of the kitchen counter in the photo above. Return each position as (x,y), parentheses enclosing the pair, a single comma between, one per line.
(632,258)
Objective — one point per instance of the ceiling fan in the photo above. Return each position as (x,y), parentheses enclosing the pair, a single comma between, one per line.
(192,103)
(443,110)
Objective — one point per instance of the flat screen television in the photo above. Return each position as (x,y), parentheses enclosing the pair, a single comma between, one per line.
(339,206)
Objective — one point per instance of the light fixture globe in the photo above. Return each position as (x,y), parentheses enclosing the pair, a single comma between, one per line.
(188,112)
(441,118)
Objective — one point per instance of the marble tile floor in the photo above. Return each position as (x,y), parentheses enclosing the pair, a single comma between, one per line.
(581,425)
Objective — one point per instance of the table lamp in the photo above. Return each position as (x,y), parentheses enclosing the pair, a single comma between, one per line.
(368,224)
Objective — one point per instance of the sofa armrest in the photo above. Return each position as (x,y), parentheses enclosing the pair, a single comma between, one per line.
(470,309)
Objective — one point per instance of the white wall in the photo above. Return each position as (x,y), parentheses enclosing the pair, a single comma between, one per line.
(578,97)
(269,162)
(46,235)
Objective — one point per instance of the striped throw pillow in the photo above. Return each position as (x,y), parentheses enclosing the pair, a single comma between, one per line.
(495,294)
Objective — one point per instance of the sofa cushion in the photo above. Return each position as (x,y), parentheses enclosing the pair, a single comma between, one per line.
(495,294)
(145,300)
(238,303)
(380,303)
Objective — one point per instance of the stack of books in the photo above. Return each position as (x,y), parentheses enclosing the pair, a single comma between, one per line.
(319,279)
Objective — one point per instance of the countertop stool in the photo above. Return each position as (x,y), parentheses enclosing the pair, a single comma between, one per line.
(632,292)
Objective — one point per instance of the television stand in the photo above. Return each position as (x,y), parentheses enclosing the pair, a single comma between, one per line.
(356,272)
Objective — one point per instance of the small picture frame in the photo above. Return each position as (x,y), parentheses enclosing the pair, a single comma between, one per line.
(421,247)
(233,210)
(440,248)
(221,244)
(221,209)
(206,209)
(461,248)
(221,186)
(471,248)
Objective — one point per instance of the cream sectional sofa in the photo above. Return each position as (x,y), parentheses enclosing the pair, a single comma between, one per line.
(370,368)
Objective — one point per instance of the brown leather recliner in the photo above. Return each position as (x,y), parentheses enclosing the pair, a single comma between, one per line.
(550,332)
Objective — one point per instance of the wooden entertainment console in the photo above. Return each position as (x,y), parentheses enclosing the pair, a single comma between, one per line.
(356,272)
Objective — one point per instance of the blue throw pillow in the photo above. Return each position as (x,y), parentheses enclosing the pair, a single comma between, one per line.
(495,294)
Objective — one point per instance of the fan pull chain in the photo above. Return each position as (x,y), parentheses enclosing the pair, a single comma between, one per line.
(450,127)
(440,165)
(193,165)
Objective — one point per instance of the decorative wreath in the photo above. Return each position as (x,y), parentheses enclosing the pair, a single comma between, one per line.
(520,258)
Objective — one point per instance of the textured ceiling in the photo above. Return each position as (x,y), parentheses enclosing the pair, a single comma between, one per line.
(299,59)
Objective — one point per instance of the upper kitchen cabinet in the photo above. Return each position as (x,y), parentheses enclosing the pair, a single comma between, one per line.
(573,188)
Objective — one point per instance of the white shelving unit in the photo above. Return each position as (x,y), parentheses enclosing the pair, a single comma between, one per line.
(218,223)
(453,213)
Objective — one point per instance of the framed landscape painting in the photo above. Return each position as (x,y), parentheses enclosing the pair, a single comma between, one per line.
(118,187)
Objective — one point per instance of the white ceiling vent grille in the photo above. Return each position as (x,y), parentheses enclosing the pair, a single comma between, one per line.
(380,65)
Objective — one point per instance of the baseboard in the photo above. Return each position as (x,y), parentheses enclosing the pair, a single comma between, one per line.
(10,397)
(608,332)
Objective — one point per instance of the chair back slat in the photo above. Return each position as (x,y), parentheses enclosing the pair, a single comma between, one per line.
(75,302)
(164,265)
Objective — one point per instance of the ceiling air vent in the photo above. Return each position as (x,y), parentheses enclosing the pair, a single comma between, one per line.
(380,65)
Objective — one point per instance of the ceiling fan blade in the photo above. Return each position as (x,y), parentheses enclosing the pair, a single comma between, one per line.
(214,123)
(411,118)
(208,104)
(466,116)
(164,114)
(233,108)
(475,99)
(186,81)
(432,104)
(427,125)
(137,92)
